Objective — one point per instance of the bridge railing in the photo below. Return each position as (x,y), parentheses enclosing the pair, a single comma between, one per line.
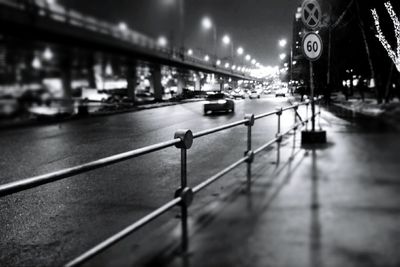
(72,17)
(183,140)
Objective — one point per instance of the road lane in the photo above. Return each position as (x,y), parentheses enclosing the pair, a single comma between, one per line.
(51,224)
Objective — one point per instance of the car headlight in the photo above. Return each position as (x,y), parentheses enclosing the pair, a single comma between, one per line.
(221,102)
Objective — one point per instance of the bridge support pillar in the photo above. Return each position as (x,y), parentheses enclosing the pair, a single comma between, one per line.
(66,77)
(91,72)
(197,82)
(156,82)
(221,85)
(234,83)
(181,84)
(131,77)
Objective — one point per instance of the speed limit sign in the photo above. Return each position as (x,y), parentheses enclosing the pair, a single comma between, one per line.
(312,46)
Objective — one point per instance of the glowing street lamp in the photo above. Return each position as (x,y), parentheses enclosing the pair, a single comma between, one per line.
(282,56)
(248,57)
(253,62)
(226,39)
(48,54)
(206,58)
(283,43)
(218,62)
(240,51)
(51,2)
(36,63)
(162,41)
(190,52)
(122,26)
(207,23)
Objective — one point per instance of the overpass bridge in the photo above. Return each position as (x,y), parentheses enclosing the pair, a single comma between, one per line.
(43,21)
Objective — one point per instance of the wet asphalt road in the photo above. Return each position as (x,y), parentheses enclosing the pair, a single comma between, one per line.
(52,224)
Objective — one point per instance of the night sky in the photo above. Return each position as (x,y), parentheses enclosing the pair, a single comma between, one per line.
(257,25)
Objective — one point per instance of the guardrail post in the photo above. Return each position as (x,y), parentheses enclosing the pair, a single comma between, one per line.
(307,119)
(313,114)
(186,193)
(319,113)
(295,108)
(249,153)
(279,112)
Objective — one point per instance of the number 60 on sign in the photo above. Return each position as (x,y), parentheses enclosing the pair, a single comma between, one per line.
(312,46)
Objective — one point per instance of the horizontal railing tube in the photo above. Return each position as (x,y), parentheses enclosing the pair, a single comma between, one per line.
(217,176)
(124,233)
(18,186)
(219,129)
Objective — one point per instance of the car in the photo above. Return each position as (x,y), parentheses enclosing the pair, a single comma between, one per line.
(280,92)
(218,102)
(93,95)
(238,94)
(254,94)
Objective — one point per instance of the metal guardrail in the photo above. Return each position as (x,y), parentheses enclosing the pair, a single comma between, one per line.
(59,13)
(183,140)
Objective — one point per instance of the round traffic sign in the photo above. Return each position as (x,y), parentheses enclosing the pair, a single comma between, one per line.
(311,13)
(312,46)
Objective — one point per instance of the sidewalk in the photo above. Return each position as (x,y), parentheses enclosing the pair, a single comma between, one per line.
(336,205)
(369,107)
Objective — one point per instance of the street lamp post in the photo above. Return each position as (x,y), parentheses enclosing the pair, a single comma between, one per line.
(207,25)
(228,41)
(240,52)
(182,23)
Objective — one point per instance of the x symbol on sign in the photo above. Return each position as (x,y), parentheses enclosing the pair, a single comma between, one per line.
(311,14)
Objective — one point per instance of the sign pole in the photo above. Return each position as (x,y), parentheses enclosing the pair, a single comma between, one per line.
(312,46)
(312,96)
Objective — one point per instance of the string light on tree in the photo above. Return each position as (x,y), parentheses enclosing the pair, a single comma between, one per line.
(395,56)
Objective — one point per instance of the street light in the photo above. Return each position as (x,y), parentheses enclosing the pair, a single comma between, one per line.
(248,57)
(283,43)
(122,26)
(48,54)
(218,62)
(162,41)
(207,24)
(190,52)
(253,62)
(240,51)
(36,63)
(282,56)
(226,39)
(206,58)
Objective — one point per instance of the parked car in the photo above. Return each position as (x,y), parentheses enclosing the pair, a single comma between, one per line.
(93,95)
(218,102)
(254,95)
